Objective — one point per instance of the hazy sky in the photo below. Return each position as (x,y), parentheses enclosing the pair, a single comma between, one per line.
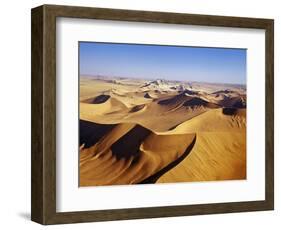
(166,62)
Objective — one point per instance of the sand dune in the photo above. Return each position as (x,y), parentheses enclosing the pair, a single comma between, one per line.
(215,156)
(220,149)
(100,104)
(190,92)
(236,102)
(130,154)
(147,95)
(196,101)
(213,121)
(175,100)
(114,111)
(91,132)
(99,99)
(137,131)
(138,108)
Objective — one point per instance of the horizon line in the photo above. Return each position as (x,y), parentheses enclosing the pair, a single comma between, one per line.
(140,78)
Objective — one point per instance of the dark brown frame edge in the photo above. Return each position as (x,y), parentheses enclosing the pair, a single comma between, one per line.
(43,159)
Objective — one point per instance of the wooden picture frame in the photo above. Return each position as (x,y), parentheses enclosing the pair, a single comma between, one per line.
(43,205)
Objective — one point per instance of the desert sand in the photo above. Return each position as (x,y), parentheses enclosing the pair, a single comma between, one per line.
(135,131)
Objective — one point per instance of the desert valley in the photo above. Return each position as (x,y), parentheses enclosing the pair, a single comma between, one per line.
(137,131)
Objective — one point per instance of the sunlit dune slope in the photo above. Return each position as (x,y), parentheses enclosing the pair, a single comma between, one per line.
(136,131)
(215,156)
(215,120)
(129,154)
(170,111)
(220,149)
(89,108)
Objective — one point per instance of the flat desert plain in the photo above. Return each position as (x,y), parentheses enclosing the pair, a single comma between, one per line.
(135,131)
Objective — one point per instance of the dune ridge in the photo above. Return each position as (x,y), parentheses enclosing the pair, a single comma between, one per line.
(137,132)
(129,154)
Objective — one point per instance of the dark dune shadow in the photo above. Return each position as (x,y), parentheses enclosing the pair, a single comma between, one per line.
(91,133)
(236,102)
(229,111)
(128,145)
(97,100)
(137,108)
(196,101)
(180,98)
(153,178)
(226,91)
(147,96)
(239,104)
(100,99)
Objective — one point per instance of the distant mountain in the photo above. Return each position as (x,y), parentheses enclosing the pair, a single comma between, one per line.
(165,85)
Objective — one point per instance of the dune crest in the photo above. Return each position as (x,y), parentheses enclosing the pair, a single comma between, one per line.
(132,157)
(215,156)
(213,121)
(135,131)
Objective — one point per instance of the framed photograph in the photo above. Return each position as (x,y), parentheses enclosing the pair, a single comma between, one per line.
(141,114)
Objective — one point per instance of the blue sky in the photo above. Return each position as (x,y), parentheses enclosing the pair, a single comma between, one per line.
(181,63)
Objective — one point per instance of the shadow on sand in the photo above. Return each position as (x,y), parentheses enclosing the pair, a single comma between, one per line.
(90,132)
(153,178)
